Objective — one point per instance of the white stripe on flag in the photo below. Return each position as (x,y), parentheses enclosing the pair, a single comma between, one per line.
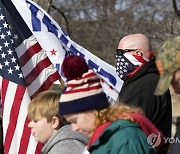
(34,86)
(20,124)
(9,99)
(31,145)
(32,63)
(27,43)
(132,59)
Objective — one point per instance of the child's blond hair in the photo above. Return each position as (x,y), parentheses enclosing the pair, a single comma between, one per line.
(45,105)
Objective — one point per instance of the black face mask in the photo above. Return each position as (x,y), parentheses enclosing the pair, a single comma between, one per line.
(124,66)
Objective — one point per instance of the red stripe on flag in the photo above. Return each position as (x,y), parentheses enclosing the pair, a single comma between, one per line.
(30,52)
(25,137)
(38,148)
(53,77)
(41,66)
(140,59)
(13,117)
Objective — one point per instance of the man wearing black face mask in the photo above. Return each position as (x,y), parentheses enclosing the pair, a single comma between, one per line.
(135,64)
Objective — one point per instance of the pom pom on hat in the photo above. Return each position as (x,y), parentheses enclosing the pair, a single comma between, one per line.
(74,67)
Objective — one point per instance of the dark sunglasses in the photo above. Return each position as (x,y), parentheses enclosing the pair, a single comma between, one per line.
(120,52)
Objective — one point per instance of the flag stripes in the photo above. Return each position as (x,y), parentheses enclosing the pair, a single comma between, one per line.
(25,70)
(32,50)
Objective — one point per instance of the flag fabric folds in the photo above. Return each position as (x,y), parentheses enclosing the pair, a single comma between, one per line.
(25,70)
(30,41)
(57,45)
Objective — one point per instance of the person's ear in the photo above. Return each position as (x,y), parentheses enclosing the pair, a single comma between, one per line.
(138,53)
(94,112)
(55,122)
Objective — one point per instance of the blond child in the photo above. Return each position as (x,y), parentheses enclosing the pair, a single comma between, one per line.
(52,130)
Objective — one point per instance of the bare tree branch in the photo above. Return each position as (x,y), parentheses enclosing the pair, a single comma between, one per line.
(64,16)
(176,10)
(45,4)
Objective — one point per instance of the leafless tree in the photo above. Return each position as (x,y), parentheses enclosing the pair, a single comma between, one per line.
(176,10)
(98,25)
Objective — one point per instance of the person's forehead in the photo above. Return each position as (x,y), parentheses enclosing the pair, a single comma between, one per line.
(36,116)
(127,45)
(134,42)
(71,116)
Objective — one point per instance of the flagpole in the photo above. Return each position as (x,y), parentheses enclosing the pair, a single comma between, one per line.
(62,82)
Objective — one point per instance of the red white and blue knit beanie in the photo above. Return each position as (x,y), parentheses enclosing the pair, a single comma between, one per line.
(84,91)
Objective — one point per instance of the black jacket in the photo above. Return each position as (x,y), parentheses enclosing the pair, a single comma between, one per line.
(139,91)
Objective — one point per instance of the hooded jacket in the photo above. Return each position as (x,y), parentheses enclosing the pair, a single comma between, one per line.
(120,137)
(65,141)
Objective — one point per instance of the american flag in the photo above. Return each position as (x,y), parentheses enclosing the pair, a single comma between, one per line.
(123,66)
(25,70)
(44,28)
(127,63)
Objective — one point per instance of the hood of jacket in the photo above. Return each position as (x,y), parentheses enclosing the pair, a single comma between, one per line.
(114,130)
(64,133)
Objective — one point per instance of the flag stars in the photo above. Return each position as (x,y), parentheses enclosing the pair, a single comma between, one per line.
(53,52)
(2,36)
(15,36)
(9,67)
(6,63)
(5,25)
(2,17)
(3,55)
(10,71)
(6,44)
(10,52)
(127,64)
(122,60)
(20,75)
(17,68)
(12,41)
(13,60)
(9,33)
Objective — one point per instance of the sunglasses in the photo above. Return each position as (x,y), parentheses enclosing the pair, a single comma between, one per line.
(120,52)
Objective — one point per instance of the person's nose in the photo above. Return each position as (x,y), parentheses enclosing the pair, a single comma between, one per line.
(31,123)
(75,127)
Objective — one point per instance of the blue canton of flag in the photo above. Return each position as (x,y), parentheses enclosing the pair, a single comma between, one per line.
(9,65)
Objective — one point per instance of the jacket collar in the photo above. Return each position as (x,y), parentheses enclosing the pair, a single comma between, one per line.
(109,129)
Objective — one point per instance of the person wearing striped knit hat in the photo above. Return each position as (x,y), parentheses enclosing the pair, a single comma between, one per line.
(111,129)
(135,64)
